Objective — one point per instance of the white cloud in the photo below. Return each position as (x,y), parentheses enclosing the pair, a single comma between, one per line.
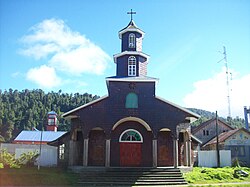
(44,76)
(65,50)
(211,94)
(81,60)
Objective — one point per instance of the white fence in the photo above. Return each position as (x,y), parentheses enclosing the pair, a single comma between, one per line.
(209,158)
(48,153)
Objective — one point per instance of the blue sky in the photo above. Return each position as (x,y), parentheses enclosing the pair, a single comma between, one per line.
(69,45)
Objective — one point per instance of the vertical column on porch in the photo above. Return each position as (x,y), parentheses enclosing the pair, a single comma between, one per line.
(189,152)
(85,151)
(185,151)
(175,142)
(154,149)
(71,152)
(107,153)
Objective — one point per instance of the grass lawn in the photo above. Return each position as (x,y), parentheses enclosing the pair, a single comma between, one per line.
(215,175)
(33,177)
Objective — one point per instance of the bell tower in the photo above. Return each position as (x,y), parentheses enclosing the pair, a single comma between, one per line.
(131,61)
(52,121)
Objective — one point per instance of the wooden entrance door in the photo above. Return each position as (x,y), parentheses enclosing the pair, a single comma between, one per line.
(130,154)
(96,148)
(165,149)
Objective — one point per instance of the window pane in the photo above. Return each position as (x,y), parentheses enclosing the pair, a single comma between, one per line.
(131,66)
(131,40)
(131,136)
(131,101)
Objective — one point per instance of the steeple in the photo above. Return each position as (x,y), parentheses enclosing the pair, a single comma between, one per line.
(131,62)
(131,37)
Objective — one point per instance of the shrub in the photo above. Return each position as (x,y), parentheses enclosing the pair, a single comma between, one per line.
(8,160)
(27,159)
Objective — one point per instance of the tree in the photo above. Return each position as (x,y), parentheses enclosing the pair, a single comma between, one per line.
(23,110)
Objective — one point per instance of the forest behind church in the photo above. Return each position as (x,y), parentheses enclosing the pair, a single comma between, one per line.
(23,110)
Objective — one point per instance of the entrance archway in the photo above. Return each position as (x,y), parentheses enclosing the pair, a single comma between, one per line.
(96,155)
(130,148)
(131,139)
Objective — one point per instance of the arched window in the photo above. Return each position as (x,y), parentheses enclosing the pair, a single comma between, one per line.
(131,135)
(131,66)
(131,40)
(131,100)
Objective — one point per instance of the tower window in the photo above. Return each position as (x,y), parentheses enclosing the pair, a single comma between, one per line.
(131,100)
(131,40)
(131,66)
(51,121)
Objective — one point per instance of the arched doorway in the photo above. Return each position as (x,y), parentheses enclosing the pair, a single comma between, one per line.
(130,148)
(96,154)
(165,148)
(131,137)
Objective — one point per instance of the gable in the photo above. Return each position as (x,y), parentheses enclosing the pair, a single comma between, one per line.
(240,137)
(232,137)
(211,124)
(70,114)
(192,116)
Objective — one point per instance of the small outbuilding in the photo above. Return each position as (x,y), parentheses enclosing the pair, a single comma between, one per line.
(237,140)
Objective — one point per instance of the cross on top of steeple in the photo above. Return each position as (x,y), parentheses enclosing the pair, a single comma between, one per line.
(131,14)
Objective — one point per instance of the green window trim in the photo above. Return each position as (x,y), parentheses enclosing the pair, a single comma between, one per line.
(131,135)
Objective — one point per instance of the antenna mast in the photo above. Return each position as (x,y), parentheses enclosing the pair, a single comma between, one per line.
(228,86)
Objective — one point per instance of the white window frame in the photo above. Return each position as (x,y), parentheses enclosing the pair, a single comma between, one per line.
(120,138)
(51,121)
(131,66)
(131,40)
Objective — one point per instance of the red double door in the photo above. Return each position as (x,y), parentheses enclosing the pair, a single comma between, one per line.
(130,154)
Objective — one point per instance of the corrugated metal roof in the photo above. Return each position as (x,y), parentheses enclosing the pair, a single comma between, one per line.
(225,135)
(35,136)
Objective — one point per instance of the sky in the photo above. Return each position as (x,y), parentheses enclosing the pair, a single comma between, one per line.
(69,45)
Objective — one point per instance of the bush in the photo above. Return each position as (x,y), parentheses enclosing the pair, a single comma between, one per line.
(8,160)
(213,175)
(27,159)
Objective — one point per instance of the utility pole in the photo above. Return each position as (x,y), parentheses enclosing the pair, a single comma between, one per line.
(40,148)
(217,142)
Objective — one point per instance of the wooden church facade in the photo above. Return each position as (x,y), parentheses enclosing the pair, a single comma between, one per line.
(131,126)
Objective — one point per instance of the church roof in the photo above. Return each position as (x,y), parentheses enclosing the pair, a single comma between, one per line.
(131,27)
(194,116)
(67,114)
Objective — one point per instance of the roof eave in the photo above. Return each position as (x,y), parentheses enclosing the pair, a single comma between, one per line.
(193,116)
(121,32)
(67,114)
(130,53)
(131,80)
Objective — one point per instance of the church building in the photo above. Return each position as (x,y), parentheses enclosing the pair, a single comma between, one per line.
(131,126)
